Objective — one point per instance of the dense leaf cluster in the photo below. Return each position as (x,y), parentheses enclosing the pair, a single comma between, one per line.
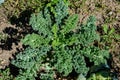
(61,43)
(30,61)
(5,74)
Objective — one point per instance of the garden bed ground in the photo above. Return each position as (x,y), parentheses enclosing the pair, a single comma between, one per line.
(106,12)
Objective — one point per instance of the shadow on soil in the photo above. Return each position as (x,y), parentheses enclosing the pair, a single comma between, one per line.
(15,34)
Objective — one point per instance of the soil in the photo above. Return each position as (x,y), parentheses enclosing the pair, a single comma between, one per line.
(106,12)
(15,32)
(7,48)
(116,59)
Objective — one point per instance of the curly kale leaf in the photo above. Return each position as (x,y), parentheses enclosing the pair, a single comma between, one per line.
(5,75)
(61,11)
(96,55)
(63,60)
(29,61)
(78,60)
(40,24)
(87,34)
(34,40)
(70,24)
(43,21)
(64,35)
(67,59)
(80,64)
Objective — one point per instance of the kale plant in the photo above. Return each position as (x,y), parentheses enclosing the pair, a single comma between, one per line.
(5,74)
(63,41)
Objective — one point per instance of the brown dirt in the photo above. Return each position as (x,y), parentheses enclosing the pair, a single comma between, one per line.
(106,11)
(5,53)
(116,59)
(15,32)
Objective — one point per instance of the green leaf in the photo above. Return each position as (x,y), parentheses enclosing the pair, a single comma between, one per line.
(64,61)
(55,30)
(55,43)
(34,40)
(105,28)
(117,36)
(111,31)
(81,77)
(5,74)
(70,24)
(30,61)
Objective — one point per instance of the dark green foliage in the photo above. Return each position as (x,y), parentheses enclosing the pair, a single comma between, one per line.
(69,59)
(62,36)
(96,55)
(59,8)
(51,33)
(5,74)
(87,34)
(70,24)
(79,61)
(61,11)
(34,40)
(61,40)
(80,64)
(30,61)
(64,61)
(41,24)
